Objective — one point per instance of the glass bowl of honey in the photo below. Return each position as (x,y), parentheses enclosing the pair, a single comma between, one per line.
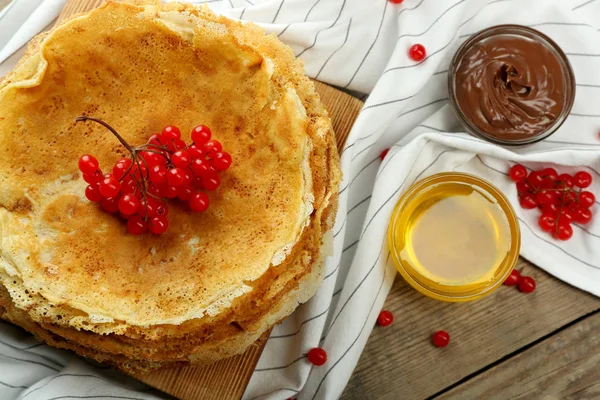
(454,237)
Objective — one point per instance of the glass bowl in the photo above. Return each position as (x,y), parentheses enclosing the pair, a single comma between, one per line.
(513,30)
(454,237)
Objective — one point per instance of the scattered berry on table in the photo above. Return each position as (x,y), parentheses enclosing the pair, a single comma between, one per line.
(513,279)
(396,1)
(417,52)
(384,153)
(385,318)
(317,356)
(527,284)
(164,168)
(441,339)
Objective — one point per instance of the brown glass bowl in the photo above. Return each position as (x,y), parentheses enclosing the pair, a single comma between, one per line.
(517,30)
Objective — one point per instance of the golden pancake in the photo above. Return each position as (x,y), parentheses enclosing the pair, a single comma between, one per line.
(215,281)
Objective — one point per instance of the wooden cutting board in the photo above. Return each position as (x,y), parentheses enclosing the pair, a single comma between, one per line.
(227,379)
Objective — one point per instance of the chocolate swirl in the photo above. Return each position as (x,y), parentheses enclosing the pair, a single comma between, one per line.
(510,86)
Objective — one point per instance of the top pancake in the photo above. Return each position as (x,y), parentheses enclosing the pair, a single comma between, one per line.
(141,68)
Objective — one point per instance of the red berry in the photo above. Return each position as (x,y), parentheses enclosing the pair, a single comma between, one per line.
(546,222)
(88,164)
(211,180)
(110,204)
(129,204)
(524,187)
(148,207)
(153,158)
(94,178)
(197,182)
(158,174)
(175,144)
(384,152)
(211,147)
(171,132)
(417,52)
(110,186)
(128,186)
(385,318)
(517,173)
(158,224)
(195,152)
(198,202)
(582,179)
(121,168)
(396,1)
(528,202)
(550,173)
(545,197)
(582,215)
(171,192)
(547,183)
(567,197)
(221,160)
(162,209)
(139,171)
(92,192)
(317,356)
(535,178)
(155,140)
(201,134)
(527,284)
(157,190)
(185,192)
(566,180)
(587,199)
(513,278)
(136,225)
(565,217)
(200,166)
(441,339)
(188,176)
(176,177)
(180,158)
(551,209)
(563,230)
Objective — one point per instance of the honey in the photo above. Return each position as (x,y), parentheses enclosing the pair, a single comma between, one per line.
(454,237)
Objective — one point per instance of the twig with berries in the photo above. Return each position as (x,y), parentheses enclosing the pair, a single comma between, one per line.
(161,169)
(559,197)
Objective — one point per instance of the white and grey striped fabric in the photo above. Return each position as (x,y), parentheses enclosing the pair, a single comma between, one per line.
(361,45)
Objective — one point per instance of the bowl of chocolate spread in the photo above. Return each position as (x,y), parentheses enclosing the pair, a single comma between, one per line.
(511,84)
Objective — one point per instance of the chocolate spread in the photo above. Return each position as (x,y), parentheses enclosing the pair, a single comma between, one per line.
(509,86)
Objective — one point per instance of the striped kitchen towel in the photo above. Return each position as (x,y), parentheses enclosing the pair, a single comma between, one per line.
(362,46)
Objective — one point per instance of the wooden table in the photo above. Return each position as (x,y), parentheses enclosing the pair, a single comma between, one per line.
(507,345)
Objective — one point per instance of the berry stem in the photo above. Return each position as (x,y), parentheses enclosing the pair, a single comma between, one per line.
(562,206)
(110,128)
(134,156)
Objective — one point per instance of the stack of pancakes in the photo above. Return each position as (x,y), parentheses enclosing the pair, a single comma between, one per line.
(73,276)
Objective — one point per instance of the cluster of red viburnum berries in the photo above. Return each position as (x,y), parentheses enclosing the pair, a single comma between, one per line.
(559,197)
(164,168)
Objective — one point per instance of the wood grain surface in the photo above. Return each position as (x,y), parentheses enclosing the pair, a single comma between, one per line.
(399,361)
(560,367)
